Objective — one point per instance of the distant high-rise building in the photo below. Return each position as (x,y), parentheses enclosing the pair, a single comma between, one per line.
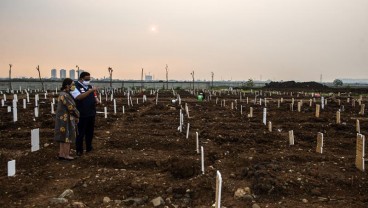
(62,73)
(53,74)
(72,74)
(148,77)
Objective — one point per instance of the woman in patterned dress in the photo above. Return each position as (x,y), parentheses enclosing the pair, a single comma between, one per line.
(66,120)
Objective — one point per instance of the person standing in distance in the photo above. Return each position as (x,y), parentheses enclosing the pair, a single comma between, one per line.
(86,99)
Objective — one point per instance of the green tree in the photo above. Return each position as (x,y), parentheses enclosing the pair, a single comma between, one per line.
(337,83)
(249,83)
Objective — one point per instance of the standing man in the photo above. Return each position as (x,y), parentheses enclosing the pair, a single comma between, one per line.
(86,99)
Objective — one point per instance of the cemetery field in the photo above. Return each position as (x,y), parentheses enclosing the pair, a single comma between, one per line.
(143,153)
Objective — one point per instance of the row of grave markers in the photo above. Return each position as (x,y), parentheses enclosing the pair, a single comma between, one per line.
(360,151)
(200,150)
(35,146)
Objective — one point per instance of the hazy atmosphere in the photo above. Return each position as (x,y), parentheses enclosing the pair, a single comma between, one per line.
(238,39)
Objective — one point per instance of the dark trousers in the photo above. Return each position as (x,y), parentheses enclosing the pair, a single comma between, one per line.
(86,127)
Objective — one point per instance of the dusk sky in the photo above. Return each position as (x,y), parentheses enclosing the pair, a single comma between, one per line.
(235,39)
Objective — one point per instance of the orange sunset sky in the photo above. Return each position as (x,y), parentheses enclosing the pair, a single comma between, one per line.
(235,39)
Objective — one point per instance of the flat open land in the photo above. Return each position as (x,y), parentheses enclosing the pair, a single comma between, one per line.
(141,155)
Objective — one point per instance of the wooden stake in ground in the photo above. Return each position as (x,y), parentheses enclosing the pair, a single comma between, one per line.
(52,108)
(360,152)
(317,110)
(362,106)
(338,118)
(270,126)
(299,106)
(319,148)
(197,143)
(187,110)
(250,112)
(188,131)
(218,190)
(358,126)
(36,112)
(291,137)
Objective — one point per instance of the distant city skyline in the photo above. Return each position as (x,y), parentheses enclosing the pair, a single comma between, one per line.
(236,40)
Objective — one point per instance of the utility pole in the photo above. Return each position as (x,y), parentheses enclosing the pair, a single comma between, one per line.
(193,79)
(110,72)
(167,77)
(212,75)
(77,72)
(142,81)
(39,75)
(10,79)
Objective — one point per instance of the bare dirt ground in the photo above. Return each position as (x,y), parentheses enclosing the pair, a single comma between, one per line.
(141,155)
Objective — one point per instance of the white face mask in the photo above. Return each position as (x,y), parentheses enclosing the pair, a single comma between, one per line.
(86,82)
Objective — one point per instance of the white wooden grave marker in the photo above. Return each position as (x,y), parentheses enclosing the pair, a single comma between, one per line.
(180,121)
(218,189)
(35,140)
(114,106)
(11,168)
(24,103)
(105,111)
(291,137)
(322,102)
(202,160)
(15,111)
(264,116)
(360,152)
